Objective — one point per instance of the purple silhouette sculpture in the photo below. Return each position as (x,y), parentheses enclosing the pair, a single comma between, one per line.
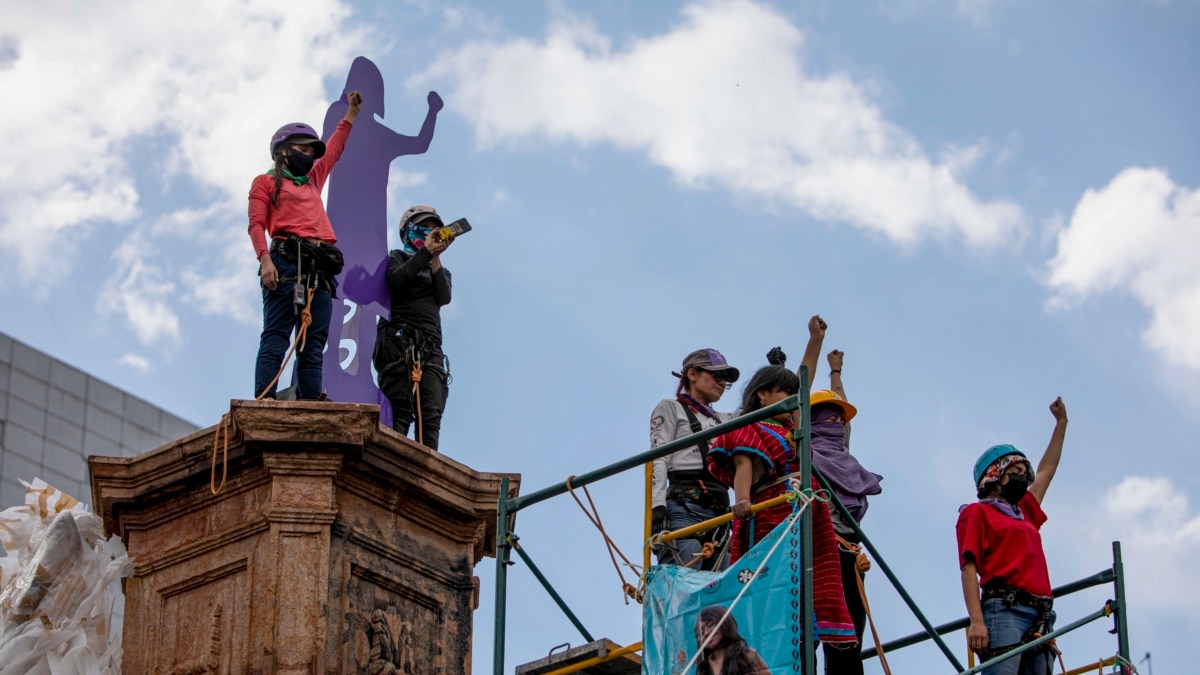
(357,206)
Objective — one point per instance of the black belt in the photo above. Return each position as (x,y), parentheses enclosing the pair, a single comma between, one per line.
(1016,596)
(695,476)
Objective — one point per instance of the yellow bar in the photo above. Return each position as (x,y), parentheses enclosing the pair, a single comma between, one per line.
(1099,666)
(649,510)
(721,520)
(596,660)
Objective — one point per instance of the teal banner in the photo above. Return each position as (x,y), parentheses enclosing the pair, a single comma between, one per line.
(683,607)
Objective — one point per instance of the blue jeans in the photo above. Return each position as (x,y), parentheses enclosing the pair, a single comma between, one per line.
(683,551)
(280,320)
(1006,626)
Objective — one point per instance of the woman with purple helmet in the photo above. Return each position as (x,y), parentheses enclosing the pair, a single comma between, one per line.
(294,242)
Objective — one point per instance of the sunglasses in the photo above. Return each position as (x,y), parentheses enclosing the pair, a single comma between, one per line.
(720,377)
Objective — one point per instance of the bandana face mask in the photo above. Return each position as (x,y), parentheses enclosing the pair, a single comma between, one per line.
(413,236)
(997,469)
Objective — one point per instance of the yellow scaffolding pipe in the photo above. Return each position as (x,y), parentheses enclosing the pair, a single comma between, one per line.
(720,520)
(1098,666)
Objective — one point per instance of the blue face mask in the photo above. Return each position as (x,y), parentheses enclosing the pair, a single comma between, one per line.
(411,234)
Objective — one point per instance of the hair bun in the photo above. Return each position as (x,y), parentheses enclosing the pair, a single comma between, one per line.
(776,357)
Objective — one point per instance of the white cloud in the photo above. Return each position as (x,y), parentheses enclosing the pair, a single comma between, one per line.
(205,84)
(138,363)
(1139,234)
(723,99)
(1160,535)
(141,293)
(975,10)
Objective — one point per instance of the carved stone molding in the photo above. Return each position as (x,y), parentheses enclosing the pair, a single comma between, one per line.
(335,546)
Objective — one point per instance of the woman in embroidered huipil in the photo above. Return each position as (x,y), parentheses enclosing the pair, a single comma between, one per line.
(757,462)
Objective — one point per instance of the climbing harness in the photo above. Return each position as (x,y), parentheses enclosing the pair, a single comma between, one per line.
(399,346)
(1015,596)
(221,437)
(700,488)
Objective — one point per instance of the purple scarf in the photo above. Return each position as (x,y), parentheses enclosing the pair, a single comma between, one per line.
(699,407)
(1001,506)
(852,483)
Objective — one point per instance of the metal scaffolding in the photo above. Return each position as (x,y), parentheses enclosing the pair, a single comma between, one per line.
(507,542)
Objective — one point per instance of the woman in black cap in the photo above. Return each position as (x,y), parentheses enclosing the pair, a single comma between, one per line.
(682,492)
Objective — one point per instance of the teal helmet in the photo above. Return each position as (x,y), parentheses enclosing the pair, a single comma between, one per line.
(991,455)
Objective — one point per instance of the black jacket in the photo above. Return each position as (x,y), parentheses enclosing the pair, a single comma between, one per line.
(418,294)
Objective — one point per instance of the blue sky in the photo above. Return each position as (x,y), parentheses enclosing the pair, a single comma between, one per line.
(992,204)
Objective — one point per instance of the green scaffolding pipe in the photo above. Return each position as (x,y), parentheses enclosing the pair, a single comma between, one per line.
(887,571)
(1098,579)
(502,550)
(1032,644)
(1122,626)
(806,525)
(550,589)
(787,405)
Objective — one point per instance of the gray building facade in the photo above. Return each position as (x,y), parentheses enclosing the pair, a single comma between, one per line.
(52,416)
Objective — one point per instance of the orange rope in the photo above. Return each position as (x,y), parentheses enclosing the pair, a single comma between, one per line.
(416,380)
(613,551)
(862,564)
(706,551)
(223,426)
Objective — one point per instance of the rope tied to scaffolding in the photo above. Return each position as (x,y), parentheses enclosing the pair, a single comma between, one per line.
(221,437)
(629,590)
(805,498)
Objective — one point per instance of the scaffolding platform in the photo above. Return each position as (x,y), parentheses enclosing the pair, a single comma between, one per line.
(629,664)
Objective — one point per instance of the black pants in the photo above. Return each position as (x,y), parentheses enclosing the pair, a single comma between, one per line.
(848,661)
(397,386)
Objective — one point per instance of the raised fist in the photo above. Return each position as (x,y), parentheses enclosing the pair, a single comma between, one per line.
(817,326)
(1059,410)
(835,359)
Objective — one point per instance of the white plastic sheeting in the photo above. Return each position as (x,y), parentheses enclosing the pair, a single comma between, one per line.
(56,587)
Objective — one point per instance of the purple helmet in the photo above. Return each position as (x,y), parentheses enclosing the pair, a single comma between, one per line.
(297,132)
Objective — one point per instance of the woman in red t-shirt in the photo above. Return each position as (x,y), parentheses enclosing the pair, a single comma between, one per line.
(1005,581)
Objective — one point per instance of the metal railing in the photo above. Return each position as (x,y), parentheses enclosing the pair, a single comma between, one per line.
(507,542)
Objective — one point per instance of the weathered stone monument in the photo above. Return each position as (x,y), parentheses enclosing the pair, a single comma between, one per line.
(334,545)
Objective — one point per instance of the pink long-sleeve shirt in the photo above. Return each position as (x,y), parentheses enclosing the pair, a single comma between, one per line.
(301,211)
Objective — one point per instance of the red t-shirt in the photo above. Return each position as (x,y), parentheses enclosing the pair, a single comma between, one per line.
(1004,548)
(301,211)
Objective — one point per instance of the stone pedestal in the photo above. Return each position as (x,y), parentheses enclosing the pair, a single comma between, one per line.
(335,546)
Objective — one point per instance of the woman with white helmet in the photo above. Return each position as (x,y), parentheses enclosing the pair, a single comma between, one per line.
(299,262)
(1005,581)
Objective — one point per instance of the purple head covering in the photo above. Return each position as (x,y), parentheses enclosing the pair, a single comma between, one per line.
(849,480)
